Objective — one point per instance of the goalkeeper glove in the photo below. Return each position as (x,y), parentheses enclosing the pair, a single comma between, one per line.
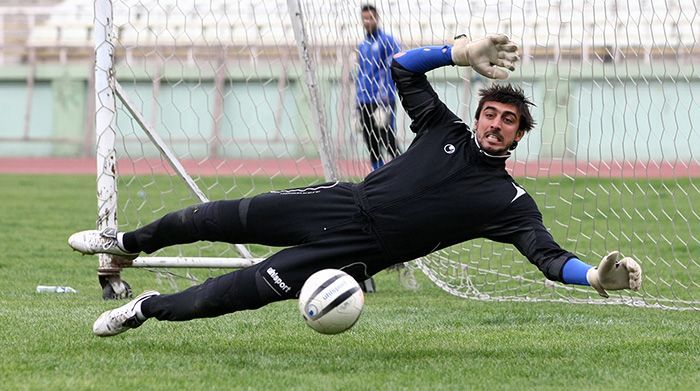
(485,54)
(615,273)
(382,117)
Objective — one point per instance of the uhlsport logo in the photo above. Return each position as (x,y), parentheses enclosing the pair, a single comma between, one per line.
(449,149)
(519,191)
(333,290)
(278,281)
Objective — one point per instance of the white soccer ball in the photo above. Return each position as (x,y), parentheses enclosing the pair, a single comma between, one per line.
(331,301)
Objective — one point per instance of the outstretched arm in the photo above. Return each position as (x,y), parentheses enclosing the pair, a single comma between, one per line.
(408,71)
(531,238)
(614,272)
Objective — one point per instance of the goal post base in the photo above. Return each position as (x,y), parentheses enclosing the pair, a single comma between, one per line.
(114,288)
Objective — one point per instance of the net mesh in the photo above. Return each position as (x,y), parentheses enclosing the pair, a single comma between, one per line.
(612,163)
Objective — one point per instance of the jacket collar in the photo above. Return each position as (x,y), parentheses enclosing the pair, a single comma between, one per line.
(492,160)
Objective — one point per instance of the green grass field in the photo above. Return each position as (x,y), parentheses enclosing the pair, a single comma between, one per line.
(424,339)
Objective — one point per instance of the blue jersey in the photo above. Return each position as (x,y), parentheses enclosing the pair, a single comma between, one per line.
(373,81)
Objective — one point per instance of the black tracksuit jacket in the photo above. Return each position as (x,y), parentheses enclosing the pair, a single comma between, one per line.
(445,190)
(442,191)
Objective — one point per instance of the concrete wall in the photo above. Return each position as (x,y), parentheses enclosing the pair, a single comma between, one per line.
(601,112)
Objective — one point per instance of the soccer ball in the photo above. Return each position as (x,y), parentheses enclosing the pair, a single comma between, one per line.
(331,301)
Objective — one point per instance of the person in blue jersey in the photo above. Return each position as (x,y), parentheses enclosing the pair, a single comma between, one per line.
(449,186)
(376,92)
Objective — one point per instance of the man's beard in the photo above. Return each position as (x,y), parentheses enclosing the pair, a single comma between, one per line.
(498,151)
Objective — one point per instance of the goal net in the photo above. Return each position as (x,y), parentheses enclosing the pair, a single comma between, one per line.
(248,96)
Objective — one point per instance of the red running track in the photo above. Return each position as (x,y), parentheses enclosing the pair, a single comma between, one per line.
(313,167)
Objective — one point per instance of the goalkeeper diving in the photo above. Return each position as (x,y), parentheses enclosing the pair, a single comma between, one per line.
(450,186)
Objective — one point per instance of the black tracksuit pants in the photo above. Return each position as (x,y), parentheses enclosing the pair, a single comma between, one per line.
(378,137)
(325,226)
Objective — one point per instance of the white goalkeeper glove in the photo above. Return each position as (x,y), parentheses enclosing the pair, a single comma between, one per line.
(615,273)
(486,54)
(382,117)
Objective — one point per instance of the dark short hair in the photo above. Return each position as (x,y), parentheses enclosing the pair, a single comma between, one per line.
(370,8)
(508,94)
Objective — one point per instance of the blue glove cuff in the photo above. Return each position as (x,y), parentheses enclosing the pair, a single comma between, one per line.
(574,272)
(424,59)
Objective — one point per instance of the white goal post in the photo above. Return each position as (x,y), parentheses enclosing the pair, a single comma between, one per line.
(216,99)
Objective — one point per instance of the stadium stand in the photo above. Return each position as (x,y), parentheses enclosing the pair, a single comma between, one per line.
(577,29)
